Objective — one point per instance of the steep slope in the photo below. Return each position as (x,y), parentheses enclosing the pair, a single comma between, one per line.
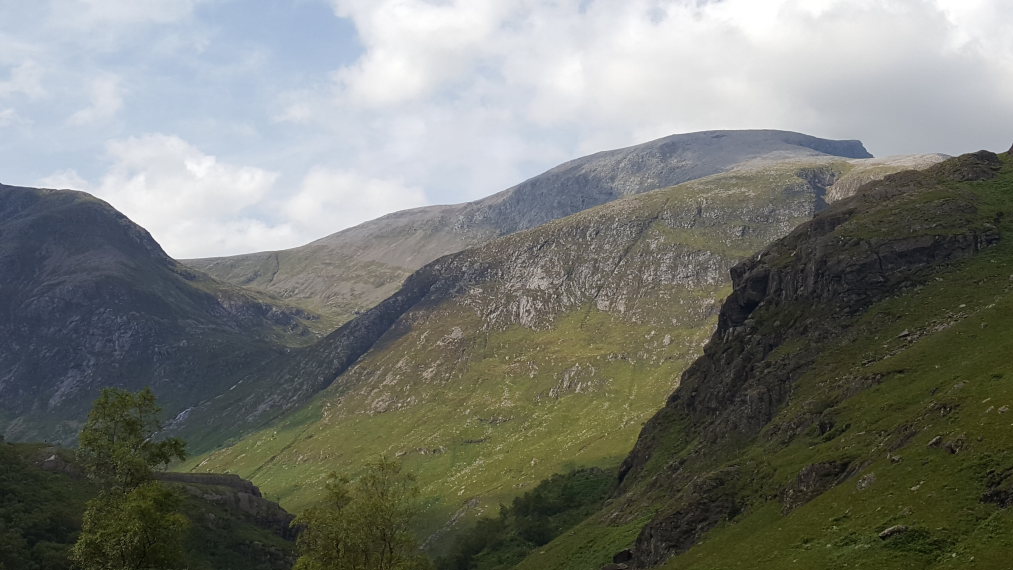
(44,496)
(88,299)
(495,367)
(850,409)
(352,270)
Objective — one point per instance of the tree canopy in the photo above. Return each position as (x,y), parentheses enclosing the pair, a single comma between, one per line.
(365,525)
(118,449)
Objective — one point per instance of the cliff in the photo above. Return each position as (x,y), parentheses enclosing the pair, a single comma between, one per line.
(850,402)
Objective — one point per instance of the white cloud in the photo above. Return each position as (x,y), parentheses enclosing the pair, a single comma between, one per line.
(11,118)
(451,100)
(330,199)
(196,205)
(413,46)
(610,72)
(106,100)
(26,79)
(193,203)
(64,180)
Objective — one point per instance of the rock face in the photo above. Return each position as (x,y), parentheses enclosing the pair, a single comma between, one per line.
(546,344)
(352,270)
(238,496)
(788,303)
(88,300)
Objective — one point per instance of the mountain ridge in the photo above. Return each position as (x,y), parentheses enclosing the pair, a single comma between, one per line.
(353,269)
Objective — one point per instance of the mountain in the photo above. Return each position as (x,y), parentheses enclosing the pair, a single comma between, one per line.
(492,368)
(88,299)
(850,410)
(350,271)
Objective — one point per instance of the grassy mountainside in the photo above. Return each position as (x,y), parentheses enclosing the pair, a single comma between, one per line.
(852,409)
(43,499)
(88,299)
(348,272)
(499,366)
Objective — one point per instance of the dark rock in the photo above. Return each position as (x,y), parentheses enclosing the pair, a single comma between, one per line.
(705,502)
(956,444)
(623,556)
(999,488)
(813,481)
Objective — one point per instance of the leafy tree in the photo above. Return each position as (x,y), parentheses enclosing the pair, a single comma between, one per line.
(137,530)
(117,446)
(133,523)
(363,526)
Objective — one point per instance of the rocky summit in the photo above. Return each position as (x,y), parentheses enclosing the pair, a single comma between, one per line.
(348,272)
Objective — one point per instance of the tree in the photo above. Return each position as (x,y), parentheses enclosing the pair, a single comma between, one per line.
(365,526)
(133,523)
(137,530)
(117,445)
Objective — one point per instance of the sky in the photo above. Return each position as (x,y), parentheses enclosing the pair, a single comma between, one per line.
(233,126)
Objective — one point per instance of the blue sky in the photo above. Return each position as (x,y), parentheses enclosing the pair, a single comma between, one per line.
(229,126)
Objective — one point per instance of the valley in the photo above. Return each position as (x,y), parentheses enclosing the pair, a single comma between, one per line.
(869,320)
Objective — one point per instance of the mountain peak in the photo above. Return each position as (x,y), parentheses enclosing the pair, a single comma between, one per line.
(350,271)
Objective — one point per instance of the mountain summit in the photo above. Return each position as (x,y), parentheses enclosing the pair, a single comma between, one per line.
(354,269)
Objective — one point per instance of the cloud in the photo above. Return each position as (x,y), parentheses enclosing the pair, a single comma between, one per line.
(84,14)
(106,101)
(611,73)
(413,47)
(330,199)
(450,100)
(26,79)
(196,205)
(11,118)
(193,203)
(64,180)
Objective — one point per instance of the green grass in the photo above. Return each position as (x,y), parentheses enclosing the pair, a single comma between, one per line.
(590,545)
(495,430)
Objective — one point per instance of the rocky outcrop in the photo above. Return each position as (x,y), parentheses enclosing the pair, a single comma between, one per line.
(809,285)
(238,496)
